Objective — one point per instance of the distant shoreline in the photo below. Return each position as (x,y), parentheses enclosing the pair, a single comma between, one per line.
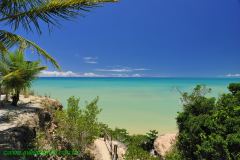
(148,77)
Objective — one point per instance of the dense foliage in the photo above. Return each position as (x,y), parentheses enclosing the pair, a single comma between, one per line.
(209,128)
(78,126)
(137,153)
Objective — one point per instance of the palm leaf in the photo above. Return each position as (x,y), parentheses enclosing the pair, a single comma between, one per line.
(16,72)
(7,40)
(31,12)
(4,68)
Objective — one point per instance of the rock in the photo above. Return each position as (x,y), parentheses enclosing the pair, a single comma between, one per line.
(100,150)
(164,143)
(17,138)
(57,105)
(44,118)
(18,124)
(49,103)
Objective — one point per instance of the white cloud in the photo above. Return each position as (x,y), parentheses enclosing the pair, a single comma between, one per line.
(90,60)
(123,69)
(141,69)
(126,75)
(57,74)
(233,75)
(119,73)
(90,74)
(67,74)
(114,70)
(137,75)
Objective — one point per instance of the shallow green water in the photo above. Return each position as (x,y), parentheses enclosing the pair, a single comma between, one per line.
(137,104)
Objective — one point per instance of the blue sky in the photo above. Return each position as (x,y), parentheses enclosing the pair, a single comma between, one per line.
(176,38)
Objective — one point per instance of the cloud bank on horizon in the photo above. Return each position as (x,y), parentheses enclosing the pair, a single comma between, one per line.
(126,69)
(87,74)
(112,73)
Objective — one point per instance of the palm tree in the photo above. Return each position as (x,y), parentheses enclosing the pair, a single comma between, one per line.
(30,13)
(17,73)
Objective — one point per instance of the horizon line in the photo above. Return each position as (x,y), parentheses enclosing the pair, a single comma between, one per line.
(140,77)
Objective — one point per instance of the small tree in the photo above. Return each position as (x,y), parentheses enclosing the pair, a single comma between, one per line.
(80,127)
(151,137)
(17,73)
(121,135)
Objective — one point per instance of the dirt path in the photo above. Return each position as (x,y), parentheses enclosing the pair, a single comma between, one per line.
(102,150)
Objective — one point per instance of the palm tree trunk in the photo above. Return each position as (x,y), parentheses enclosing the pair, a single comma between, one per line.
(15,98)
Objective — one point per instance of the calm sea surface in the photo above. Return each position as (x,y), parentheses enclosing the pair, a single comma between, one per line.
(137,104)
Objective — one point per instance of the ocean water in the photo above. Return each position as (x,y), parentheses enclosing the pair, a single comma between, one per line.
(137,104)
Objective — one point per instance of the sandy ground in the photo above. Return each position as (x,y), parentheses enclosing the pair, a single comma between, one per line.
(101,150)
(25,112)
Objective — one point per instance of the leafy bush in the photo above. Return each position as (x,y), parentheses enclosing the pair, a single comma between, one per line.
(210,129)
(40,140)
(234,88)
(121,135)
(80,127)
(137,153)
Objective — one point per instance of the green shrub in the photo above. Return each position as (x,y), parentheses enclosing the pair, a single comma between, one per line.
(137,153)
(40,141)
(78,126)
(139,146)
(210,129)
(121,135)
(234,88)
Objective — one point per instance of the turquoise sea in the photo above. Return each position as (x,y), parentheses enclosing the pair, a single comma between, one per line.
(137,104)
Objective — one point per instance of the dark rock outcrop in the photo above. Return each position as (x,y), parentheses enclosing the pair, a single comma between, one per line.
(18,134)
(15,139)
(44,118)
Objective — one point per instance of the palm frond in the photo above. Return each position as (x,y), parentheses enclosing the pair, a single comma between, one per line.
(4,68)
(8,40)
(17,73)
(31,12)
